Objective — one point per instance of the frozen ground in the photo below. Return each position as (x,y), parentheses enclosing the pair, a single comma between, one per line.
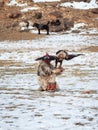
(78,5)
(22,107)
(81,5)
(75,106)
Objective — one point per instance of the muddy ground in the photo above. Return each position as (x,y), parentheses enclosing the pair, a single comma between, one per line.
(9,26)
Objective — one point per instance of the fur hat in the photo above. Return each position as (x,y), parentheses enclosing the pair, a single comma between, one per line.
(46,58)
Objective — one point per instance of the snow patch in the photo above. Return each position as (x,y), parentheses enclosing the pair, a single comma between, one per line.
(81,5)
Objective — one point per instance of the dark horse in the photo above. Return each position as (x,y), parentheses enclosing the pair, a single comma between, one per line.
(42,27)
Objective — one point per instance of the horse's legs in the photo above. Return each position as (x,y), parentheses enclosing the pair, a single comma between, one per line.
(38,31)
(48,31)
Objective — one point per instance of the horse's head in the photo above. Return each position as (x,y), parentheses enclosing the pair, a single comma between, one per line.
(35,25)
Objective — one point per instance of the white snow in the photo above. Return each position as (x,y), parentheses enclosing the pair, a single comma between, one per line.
(78,5)
(23,107)
(29,8)
(14,2)
(81,5)
(81,27)
(46,0)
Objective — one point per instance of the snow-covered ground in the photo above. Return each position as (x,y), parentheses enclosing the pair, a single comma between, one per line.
(46,0)
(81,5)
(23,107)
(78,5)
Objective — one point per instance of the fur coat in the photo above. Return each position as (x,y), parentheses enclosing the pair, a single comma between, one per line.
(46,77)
